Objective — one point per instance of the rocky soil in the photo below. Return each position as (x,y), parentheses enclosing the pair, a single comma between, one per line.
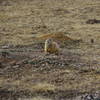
(27,72)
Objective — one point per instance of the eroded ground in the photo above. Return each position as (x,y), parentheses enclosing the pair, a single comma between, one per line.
(27,72)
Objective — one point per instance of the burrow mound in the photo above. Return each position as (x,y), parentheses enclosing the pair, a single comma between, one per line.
(21,63)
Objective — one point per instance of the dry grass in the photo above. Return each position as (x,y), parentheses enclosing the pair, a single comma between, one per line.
(36,98)
(30,22)
(23,19)
(56,36)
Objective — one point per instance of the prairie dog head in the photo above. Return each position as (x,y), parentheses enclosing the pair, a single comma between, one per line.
(49,41)
(51,46)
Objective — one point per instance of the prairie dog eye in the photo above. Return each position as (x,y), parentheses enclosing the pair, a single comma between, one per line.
(50,40)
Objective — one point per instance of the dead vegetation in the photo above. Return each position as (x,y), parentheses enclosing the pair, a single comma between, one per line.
(56,36)
(26,72)
(93,21)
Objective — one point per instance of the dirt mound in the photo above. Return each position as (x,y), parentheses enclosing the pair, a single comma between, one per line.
(38,62)
(62,39)
(60,36)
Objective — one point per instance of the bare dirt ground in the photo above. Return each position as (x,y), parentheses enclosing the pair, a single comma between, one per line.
(26,72)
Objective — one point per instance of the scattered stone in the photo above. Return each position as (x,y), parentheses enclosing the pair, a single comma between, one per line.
(25,61)
(4,54)
(94,96)
(16,66)
(5,47)
(49,60)
(92,21)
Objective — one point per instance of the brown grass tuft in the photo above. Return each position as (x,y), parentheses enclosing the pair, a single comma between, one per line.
(56,36)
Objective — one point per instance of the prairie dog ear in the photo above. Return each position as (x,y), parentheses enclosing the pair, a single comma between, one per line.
(50,39)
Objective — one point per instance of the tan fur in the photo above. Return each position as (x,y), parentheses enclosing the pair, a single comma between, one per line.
(51,47)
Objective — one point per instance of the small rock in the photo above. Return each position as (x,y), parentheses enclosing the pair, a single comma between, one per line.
(88,97)
(5,47)
(4,54)
(16,66)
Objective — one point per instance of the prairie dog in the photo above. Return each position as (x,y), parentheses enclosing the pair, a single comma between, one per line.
(51,46)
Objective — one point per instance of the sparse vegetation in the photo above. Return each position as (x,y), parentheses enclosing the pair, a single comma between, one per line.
(26,72)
